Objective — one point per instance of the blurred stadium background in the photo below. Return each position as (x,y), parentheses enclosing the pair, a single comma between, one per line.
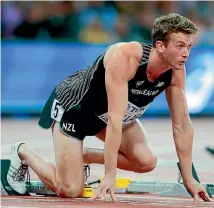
(44,42)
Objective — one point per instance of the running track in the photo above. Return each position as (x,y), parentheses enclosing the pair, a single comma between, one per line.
(160,136)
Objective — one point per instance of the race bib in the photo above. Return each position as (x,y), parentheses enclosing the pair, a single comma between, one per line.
(57,110)
(133,112)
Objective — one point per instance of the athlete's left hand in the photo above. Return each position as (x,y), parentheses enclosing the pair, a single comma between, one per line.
(197,190)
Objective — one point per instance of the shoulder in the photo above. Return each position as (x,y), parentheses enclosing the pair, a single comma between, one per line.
(131,49)
(123,59)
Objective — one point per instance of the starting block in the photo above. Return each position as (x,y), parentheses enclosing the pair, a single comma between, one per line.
(159,188)
(34,187)
(210,150)
(122,185)
(166,188)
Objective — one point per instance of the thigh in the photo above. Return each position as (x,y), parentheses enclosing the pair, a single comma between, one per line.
(68,157)
(135,144)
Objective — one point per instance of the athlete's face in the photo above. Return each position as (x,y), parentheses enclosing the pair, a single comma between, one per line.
(177,49)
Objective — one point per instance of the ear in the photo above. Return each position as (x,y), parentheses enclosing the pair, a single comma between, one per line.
(160,46)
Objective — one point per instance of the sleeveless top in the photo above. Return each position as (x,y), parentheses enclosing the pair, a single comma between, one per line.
(87,88)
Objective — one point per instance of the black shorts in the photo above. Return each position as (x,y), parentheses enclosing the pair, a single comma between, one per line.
(76,122)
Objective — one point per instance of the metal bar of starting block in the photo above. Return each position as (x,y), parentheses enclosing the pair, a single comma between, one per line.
(210,189)
(159,188)
(164,188)
(38,188)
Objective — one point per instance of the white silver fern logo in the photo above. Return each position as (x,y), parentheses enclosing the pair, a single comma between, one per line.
(139,83)
(160,84)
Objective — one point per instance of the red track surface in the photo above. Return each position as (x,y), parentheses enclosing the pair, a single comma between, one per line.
(124,201)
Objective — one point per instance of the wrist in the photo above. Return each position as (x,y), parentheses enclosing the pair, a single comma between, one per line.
(188,181)
(110,173)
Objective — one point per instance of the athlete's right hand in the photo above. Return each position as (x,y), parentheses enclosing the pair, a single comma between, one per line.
(107,185)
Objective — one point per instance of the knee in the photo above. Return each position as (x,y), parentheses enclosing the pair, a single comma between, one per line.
(145,164)
(70,190)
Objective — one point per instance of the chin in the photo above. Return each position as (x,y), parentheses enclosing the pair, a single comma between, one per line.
(179,67)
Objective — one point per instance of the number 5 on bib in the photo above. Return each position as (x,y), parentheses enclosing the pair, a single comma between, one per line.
(56,111)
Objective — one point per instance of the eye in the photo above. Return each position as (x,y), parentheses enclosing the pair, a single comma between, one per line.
(179,46)
(190,46)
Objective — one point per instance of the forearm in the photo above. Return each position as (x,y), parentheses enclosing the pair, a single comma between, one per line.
(112,144)
(184,144)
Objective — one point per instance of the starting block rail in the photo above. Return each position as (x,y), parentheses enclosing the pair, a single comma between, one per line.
(38,188)
(159,188)
(122,185)
(163,188)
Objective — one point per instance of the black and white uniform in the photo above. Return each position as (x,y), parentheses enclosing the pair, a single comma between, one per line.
(80,104)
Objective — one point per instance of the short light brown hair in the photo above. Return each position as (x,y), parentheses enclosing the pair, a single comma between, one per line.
(171,23)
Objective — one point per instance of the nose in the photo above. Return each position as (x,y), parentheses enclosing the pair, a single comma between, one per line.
(186,53)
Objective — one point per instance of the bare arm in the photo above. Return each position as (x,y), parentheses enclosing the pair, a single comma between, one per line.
(181,124)
(121,64)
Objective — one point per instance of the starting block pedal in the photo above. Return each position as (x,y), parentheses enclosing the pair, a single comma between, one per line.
(121,184)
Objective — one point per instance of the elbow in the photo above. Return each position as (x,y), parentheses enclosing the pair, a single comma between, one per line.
(183,127)
(183,136)
(180,131)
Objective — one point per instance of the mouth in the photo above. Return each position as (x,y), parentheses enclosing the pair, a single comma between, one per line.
(182,62)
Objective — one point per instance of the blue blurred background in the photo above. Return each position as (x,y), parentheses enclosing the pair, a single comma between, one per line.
(42,43)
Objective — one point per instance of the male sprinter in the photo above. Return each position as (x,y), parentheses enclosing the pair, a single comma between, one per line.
(105,100)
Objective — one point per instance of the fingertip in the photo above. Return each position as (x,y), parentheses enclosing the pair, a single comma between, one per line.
(102,198)
(196,199)
(113,195)
(210,200)
(113,198)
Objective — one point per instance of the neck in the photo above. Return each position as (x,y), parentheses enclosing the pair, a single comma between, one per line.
(157,65)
